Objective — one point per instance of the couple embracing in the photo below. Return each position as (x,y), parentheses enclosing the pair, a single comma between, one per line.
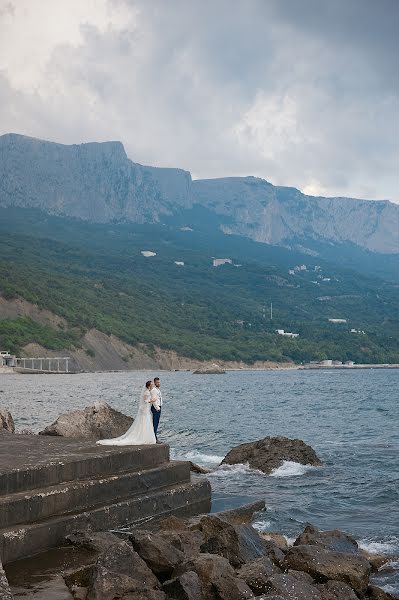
(145,426)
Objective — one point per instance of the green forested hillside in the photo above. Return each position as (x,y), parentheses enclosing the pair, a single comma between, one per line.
(95,276)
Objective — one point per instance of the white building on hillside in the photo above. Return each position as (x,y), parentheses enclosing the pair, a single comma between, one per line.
(287,333)
(217,262)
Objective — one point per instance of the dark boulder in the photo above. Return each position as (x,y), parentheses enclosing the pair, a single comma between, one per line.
(323,564)
(217,577)
(242,514)
(6,421)
(95,422)
(290,587)
(334,540)
(238,543)
(5,592)
(185,587)
(376,593)
(270,453)
(145,595)
(336,590)
(257,573)
(121,558)
(198,469)
(157,551)
(95,541)
(301,576)
(277,538)
(274,552)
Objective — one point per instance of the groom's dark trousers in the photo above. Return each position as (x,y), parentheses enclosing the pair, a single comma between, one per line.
(156,415)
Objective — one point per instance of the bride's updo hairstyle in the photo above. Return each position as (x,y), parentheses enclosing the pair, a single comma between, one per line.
(147,384)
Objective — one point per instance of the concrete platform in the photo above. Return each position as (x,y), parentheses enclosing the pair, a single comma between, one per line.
(52,486)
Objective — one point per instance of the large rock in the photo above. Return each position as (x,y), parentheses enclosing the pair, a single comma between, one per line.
(185,587)
(334,540)
(6,420)
(324,564)
(376,593)
(5,592)
(257,573)
(336,590)
(217,577)
(107,585)
(157,551)
(238,543)
(270,453)
(94,541)
(290,587)
(95,422)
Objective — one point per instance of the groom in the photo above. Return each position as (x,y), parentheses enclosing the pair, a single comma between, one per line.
(156,404)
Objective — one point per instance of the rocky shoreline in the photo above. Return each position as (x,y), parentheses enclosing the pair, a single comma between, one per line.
(212,557)
(218,556)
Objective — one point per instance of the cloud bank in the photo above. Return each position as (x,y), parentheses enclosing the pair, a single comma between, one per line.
(300,93)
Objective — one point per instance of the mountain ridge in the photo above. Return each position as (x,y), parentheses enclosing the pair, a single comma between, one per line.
(97,182)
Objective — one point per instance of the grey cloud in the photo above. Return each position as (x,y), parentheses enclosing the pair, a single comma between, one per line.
(300,93)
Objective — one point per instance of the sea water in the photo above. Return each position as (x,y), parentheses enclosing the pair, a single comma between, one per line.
(350,418)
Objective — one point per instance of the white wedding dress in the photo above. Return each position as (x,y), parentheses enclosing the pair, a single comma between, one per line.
(142,430)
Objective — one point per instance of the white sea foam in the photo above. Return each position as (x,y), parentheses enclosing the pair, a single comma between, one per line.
(201,458)
(377,547)
(262,526)
(291,469)
(234,470)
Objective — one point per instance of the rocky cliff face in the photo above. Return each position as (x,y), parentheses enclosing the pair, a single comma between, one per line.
(278,215)
(97,182)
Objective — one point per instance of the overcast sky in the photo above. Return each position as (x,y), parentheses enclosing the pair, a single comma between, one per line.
(300,92)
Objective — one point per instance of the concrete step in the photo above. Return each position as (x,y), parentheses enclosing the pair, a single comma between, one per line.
(38,505)
(183,499)
(29,462)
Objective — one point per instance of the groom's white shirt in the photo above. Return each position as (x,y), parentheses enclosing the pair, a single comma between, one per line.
(156,396)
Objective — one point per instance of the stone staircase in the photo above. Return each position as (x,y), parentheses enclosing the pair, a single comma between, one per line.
(50,487)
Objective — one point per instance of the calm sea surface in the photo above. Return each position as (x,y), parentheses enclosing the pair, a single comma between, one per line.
(350,418)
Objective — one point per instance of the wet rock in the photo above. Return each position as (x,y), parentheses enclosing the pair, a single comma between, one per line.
(324,564)
(53,589)
(276,555)
(270,453)
(377,560)
(6,420)
(157,551)
(277,538)
(122,559)
(108,585)
(95,541)
(198,469)
(334,540)
(217,577)
(188,542)
(257,573)
(301,576)
(185,587)
(290,587)
(94,422)
(376,593)
(238,543)
(146,595)
(242,514)
(336,590)
(173,523)
(5,592)
(79,592)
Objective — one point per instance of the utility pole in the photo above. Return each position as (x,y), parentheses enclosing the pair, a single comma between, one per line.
(271,311)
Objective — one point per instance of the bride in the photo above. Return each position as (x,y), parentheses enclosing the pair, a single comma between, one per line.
(142,430)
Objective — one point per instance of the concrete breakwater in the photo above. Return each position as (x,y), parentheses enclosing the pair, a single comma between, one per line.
(53,486)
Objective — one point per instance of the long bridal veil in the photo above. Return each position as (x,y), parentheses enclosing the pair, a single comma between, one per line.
(141,431)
